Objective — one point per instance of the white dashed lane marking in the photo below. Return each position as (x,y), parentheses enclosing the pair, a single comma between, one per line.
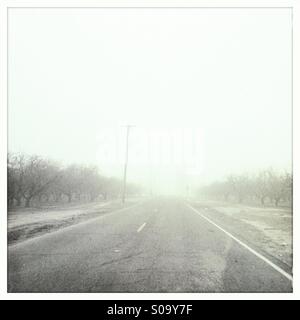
(141,227)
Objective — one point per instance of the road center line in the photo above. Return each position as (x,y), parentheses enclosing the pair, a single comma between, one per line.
(141,227)
(270,263)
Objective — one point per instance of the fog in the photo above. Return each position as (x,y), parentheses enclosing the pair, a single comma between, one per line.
(208,92)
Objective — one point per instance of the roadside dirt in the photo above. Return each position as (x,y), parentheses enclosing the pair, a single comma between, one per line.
(267,229)
(27,223)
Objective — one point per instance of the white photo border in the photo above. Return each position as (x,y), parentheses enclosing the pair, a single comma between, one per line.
(294,5)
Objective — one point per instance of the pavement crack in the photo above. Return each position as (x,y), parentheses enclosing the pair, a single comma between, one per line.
(119,259)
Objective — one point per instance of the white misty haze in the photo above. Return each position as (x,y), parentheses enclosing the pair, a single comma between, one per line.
(224,72)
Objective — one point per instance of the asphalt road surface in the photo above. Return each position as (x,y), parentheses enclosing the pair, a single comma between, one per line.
(161,245)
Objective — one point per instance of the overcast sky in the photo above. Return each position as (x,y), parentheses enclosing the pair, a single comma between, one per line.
(219,76)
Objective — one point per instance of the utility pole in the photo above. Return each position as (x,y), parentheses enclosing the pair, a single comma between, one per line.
(125,164)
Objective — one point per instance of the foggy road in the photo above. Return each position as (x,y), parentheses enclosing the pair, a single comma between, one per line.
(161,245)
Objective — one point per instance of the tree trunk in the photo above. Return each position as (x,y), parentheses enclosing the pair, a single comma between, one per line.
(27,204)
(10,202)
(262,200)
(18,201)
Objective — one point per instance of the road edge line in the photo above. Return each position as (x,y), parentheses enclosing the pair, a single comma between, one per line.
(270,263)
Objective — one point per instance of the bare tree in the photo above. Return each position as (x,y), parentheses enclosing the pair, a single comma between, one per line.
(38,175)
(34,178)
(16,169)
(288,186)
(262,186)
(280,187)
(93,183)
(267,184)
(67,182)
